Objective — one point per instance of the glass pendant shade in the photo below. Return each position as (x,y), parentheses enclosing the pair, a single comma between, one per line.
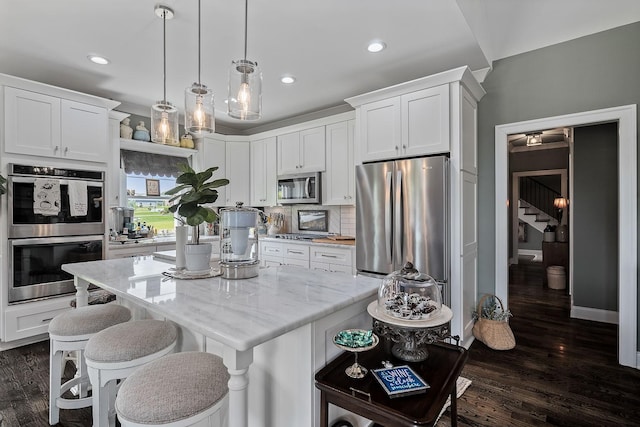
(199,114)
(164,123)
(245,90)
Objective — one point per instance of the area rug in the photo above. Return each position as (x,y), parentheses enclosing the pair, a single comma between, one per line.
(462,384)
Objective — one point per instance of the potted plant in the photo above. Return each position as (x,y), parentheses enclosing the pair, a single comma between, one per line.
(194,190)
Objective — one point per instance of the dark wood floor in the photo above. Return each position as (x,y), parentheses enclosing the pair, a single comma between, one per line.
(563,372)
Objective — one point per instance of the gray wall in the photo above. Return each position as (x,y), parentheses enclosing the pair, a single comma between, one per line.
(594,72)
(534,240)
(595,217)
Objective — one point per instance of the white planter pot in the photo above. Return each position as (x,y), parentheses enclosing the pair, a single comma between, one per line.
(197,257)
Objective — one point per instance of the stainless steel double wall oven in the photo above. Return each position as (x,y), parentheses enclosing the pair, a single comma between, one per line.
(40,243)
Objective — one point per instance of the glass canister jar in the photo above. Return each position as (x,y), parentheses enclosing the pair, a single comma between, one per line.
(408,294)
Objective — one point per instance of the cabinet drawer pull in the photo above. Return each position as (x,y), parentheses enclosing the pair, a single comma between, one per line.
(296,252)
(47,320)
(328,256)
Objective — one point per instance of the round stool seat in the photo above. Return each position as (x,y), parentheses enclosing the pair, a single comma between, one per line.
(132,340)
(173,388)
(86,321)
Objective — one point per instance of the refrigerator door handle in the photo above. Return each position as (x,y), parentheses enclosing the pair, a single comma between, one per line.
(398,223)
(387,218)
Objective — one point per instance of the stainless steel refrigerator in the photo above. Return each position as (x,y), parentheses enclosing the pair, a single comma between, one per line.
(402,214)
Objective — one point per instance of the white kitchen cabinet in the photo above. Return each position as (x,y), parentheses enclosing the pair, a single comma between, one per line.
(237,172)
(32,318)
(214,153)
(302,151)
(85,131)
(270,253)
(312,256)
(409,125)
(293,254)
(263,172)
(43,125)
(331,258)
(339,180)
(232,159)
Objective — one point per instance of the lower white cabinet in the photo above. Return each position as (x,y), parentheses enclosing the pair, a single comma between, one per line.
(331,259)
(307,255)
(31,319)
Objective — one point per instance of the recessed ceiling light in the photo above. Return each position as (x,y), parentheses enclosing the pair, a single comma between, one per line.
(288,80)
(97,59)
(376,46)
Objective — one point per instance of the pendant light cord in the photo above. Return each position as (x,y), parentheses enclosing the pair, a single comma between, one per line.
(164,54)
(246,14)
(199,36)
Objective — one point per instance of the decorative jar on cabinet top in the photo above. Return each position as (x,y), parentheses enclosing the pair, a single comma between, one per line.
(408,294)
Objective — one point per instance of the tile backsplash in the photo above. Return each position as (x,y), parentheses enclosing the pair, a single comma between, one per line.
(342,219)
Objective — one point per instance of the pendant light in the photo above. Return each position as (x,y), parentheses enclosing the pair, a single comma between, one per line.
(198,102)
(245,84)
(164,116)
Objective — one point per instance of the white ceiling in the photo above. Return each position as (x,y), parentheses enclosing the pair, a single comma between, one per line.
(322,43)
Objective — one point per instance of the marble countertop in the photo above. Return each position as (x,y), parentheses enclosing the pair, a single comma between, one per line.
(307,242)
(238,313)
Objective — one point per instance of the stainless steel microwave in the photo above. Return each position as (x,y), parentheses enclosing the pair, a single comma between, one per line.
(299,188)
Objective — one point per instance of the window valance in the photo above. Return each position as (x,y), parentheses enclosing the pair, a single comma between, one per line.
(142,163)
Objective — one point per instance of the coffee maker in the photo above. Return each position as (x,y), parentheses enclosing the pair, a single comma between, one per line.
(120,219)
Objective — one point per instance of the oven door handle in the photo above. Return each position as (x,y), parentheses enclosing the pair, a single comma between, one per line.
(53,240)
(30,180)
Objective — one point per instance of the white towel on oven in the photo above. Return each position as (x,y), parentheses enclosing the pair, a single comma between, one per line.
(77,198)
(46,196)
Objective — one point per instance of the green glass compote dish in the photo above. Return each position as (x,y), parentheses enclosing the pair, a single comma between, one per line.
(355,341)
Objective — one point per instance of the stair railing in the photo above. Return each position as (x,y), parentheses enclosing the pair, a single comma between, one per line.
(538,195)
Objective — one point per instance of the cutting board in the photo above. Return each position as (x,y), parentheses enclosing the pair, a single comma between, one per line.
(337,240)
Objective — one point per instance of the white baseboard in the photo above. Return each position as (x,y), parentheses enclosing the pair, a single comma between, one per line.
(8,345)
(594,314)
(537,254)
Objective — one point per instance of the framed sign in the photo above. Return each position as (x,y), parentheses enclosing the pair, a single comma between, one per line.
(153,187)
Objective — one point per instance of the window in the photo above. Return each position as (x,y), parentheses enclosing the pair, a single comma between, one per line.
(149,176)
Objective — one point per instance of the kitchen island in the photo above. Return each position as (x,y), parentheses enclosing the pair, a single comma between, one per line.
(279,323)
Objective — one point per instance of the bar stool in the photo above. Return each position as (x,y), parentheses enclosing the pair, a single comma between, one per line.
(70,331)
(116,352)
(178,390)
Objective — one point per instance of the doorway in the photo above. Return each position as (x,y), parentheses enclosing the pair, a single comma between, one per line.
(626,117)
(515,189)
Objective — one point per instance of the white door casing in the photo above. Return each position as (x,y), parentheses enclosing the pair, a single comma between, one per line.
(626,117)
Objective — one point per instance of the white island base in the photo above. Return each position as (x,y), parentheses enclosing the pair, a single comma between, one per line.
(274,332)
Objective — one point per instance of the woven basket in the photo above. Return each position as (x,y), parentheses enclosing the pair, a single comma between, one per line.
(495,334)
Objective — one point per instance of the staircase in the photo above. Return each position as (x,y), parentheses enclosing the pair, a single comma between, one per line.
(535,206)
(534,217)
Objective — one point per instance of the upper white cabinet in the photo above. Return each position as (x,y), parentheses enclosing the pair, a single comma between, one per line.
(237,165)
(232,159)
(302,151)
(214,153)
(408,125)
(44,125)
(339,180)
(263,172)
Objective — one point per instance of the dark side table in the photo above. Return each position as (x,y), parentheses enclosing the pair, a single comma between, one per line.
(366,397)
